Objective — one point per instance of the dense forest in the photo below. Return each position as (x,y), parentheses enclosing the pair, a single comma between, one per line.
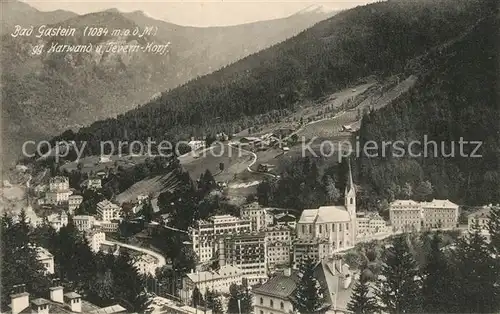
(379,39)
(455,98)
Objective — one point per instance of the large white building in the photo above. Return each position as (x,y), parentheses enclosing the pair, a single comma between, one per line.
(218,281)
(440,214)
(279,245)
(205,234)
(58,183)
(107,211)
(371,223)
(408,215)
(74,202)
(95,237)
(46,258)
(405,215)
(84,222)
(248,252)
(336,224)
(59,191)
(259,217)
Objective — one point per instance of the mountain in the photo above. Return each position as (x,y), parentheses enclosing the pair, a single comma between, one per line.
(377,39)
(15,12)
(450,46)
(47,93)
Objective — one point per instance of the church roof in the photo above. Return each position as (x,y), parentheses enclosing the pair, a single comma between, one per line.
(325,214)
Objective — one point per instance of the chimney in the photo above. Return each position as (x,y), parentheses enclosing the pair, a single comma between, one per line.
(57,294)
(20,299)
(287,272)
(40,306)
(74,300)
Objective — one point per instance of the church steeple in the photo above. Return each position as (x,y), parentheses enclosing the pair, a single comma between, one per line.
(350,193)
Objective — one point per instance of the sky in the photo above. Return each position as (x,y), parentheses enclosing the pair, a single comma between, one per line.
(198,13)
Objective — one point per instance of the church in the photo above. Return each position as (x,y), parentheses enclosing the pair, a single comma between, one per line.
(334,225)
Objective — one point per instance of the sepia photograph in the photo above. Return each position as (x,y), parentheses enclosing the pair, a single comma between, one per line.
(250,157)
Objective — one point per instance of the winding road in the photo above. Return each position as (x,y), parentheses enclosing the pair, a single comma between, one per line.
(161,260)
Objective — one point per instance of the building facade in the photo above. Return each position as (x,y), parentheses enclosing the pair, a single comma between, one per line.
(74,202)
(247,252)
(146,264)
(205,234)
(95,238)
(481,218)
(259,217)
(405,215)
(107,211)
(46,258)
(336,224)
(84,222)
(370,223)
(441,214)
(218,281)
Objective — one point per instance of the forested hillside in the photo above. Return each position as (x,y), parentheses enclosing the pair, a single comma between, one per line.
(378,38)
(456,97)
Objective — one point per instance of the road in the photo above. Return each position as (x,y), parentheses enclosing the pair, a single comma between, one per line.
(161,260)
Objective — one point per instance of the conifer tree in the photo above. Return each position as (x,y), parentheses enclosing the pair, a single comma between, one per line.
(400,289)
(476,274)
(494,230)
(438,290)
(308,295)
(361,302)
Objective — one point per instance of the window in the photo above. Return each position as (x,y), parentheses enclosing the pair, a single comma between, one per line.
(320,229)
(351,200)
(261,301)
(261,312)
(282,305)
(271,303)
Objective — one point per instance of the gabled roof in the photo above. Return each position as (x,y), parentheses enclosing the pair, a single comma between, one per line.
(280,286)
(325,214)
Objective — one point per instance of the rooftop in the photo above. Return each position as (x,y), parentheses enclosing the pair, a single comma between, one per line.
(404,203)
(439,204)
(280,286)
(224,271)
(325,214)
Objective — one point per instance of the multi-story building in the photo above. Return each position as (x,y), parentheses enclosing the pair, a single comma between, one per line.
(315,249)
(370,223)
(218,281)
(278,255)
(74,202)
(440,214)
(94,183)
(146,264)
(46,258)
(84,222)
(285,219)
(95,237)
(336,224)
(259,217)
(247,252)
(108,226)
(107,211)
(405,215)
(58,183)
(482,219)
(205,233)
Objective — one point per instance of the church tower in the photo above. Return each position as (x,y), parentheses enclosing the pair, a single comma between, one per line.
(350,194)
(350,206)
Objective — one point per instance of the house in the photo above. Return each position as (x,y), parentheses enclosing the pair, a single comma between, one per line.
(285,219)
(92,183)
(264,167)
(46,259)
(276,295)
(74,202)
(21,168)
(59,302)
(481,218)
(104,159)
(162,305)
(146,264)
(219,281)
(84,222)
(95,237)
(106,211)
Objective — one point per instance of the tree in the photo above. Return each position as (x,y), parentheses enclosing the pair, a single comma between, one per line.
(196,297)
(221,166)
(399,289)
(240,300)
(332,193)
(361,302)
(494,230)
(477,274)
(309,293)
(147,211)
(437,282)
(423,191)
(407,191)
(213,302)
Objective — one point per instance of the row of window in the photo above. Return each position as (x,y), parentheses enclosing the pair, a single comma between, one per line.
(271,303)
